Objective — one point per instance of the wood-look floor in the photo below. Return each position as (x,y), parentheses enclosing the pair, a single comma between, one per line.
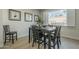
(22,43)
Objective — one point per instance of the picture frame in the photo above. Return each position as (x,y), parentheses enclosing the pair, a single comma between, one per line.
(14,15)
(28,17)
(36,18)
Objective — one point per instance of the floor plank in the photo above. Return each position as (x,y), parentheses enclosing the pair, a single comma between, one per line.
(22,43)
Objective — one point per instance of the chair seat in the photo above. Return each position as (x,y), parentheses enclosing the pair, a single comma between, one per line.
(11,33)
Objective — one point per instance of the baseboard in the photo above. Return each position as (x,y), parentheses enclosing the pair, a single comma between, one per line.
(65,36)
(70,37)
(21,36)
(1,47)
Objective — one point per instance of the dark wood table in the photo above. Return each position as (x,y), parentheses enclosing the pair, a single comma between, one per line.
(45,30)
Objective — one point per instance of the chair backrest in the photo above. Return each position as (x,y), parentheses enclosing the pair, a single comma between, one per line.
(6,28)
(34,31)
(58,30)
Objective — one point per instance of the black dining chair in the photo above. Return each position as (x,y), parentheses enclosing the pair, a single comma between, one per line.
(34,33)
(9,34)
(37,36)
(55,38)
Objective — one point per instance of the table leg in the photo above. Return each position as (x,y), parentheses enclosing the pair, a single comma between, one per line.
(29,35)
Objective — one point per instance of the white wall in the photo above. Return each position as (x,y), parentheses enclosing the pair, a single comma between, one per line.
(20,26)
(68,31)
(1,30)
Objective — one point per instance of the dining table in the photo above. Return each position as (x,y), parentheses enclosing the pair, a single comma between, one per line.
(47,31)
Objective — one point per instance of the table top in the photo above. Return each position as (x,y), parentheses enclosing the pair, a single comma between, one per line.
(46,28)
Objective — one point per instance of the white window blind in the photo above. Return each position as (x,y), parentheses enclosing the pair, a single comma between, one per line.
(58,17)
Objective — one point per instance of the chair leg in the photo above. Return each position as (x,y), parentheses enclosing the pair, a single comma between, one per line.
(54,44)
(33,42)
(5,40)
(58,43)
(38,44)
(16,36)
(59,40)
(44,42)
(12,40)
(9,38)
(49,42)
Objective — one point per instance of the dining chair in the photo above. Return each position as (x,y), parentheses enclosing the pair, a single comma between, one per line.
(9,34)
(55,38)
(34,35)
(37,36)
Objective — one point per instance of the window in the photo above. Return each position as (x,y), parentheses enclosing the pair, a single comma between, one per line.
(58,17)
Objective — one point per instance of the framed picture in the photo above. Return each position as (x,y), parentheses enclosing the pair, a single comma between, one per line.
(14,15)
(35,18)
(28,17)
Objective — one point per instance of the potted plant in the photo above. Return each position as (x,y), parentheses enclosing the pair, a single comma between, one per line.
(39,21)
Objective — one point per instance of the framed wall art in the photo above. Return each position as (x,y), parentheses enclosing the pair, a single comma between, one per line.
(35,18)
(14,15)
(28,17)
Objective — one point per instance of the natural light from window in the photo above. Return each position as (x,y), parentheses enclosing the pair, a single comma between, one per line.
(58,17)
